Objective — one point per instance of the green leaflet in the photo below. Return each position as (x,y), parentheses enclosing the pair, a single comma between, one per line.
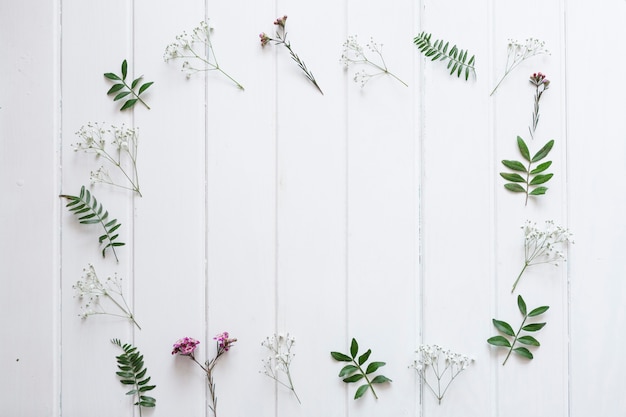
(132,372)
(530,180)
(457,58)
(503,327)
(92,212)
(123,89)
(354,372)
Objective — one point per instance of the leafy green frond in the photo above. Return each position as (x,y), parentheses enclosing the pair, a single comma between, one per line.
(90,211)
(457,58)
(132,372)
(355,373)
(121,89)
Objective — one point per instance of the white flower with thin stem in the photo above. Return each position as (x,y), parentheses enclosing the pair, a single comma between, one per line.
(118,146)
(196,49)
(443,364)
(98,296)
(543,246)
(276,365)
(518,52)
(355,54)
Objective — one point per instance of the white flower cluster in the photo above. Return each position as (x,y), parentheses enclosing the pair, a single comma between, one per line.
(92,291)
(124,144)
(441,362)
(279,359)
(518,52)
(354,54)
(545,246)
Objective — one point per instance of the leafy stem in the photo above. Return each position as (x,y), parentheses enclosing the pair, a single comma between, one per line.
(132,372)
(457,58)
(122,89)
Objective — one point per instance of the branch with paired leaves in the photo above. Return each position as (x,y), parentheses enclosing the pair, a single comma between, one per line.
(355,372)
(132,372)
(533,177)
(91,212)
(506,328)
(457,58)
(121,89)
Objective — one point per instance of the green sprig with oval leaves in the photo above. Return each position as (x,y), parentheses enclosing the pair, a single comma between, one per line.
(355,373)
(531,180)
(527,340)
(121,89)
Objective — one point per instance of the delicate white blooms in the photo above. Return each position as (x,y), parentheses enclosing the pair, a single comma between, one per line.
(545,245)
(279,359)
(98,296)
(118,146)
(444,365)
(196,50)
(355,54)
(517,52)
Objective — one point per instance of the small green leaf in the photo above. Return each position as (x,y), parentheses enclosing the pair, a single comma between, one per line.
(533,327)
(379,379)
(347,370)
(540,179)
(514,165)
(124,69)
(541,167)
(523,352)
(528,340)
(134,83)
(360,391)
(372,367)
(543,152)
(516,188)
(499,341)
(353,378)
(522,306)
(523,148)
(537,311)
(340,357)
(144,87)
(364,357)
(112,76)
(130,103)
(504,327)
(354,348)
(121,95)
(512,177)
(539,191)
(115,88)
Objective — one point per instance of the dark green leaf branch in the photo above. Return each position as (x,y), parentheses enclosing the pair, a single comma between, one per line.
(457,58)
(355,372)
(132,372)
(121,89)
(532,178)
(91,212)
(506,328)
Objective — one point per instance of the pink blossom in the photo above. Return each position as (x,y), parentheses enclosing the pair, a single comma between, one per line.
(264,39)
(280,21)
(185,346)
(224,341)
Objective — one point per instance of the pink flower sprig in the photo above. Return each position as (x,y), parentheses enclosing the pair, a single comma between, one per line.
(541,84)
(187,346)
(281,39)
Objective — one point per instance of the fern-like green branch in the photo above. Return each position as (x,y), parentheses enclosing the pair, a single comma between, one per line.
(457,58)
(132,372)
(91,212)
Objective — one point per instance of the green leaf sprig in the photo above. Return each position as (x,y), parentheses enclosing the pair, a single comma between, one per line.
(91,212)
(533,177)
(457,58)
(355,372)
(121,89)
(506,328)
(132,372)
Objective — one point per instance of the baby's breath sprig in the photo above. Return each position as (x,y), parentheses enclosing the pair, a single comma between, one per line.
(543,246)
(354,53)
(518,52)
(279,360)
(441,363)
(281,39)
(118,146)
(93,291)
(196,47)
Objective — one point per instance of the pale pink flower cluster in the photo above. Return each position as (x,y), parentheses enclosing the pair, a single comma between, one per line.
(185,346)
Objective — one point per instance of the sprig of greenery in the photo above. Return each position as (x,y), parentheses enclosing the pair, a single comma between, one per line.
(355,373)
(506,328)
(132,372)
(457,58)
(122,89)
(92,213)
(533,178)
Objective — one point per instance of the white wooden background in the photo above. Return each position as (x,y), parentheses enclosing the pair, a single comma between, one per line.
(377,213)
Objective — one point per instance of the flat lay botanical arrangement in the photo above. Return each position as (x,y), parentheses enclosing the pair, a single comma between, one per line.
(115,149)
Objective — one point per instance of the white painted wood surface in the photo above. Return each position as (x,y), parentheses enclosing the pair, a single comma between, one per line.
(375,213)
